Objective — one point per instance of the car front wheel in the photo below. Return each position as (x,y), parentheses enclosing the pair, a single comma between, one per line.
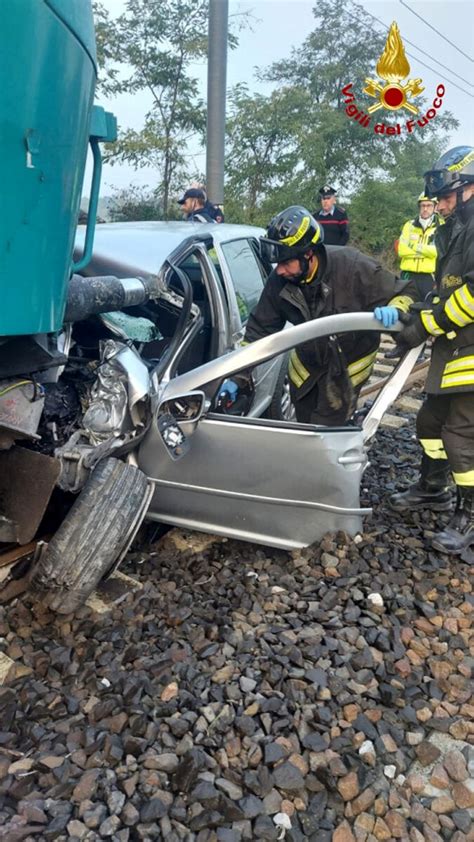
(94,535)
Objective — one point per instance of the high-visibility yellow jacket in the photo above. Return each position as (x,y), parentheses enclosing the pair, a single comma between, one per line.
(416,249)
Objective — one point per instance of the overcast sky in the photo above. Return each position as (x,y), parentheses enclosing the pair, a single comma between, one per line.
(279,25)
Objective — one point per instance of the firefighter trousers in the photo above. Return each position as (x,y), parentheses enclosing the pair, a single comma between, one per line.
(445,430)
(423,281)
(315,408)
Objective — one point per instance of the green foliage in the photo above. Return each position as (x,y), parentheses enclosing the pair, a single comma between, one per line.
(135,204)
(332,148)
(377,213)
(283,146)
(262,149)
(379,207)
(150,48)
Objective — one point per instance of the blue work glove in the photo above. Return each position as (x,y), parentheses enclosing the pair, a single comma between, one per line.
(231,387)
(227,394)
(387,315)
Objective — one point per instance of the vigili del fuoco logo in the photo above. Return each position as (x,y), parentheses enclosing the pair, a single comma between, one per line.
(392,93)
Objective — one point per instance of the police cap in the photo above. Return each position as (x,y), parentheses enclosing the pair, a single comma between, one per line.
(192,193)
(326,191)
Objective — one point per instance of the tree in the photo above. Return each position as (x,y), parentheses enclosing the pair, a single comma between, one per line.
(303,129)
(332,147)
(134,203)
(149,48)
(377,212)
(381,205)
(261,149)
(342,49)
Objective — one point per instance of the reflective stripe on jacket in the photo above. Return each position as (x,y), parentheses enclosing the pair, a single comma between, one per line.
(359,371)
(451,319)
(416,249)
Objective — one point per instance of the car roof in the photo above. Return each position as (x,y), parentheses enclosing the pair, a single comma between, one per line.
(146,245)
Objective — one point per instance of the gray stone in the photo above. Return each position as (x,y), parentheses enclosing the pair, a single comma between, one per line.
(247,685)
(315,742)
(288,777)
(273,752)
(205,793)
(272,802)
(246,725)
(110,826)
(94,817)
(251,806)
(225,834)
(234,791)
(115,801)
(462,820)
(265,829)
(152,810)
(317,676)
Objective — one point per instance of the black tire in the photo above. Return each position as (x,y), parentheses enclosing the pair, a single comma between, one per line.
(281,407)
(94,535)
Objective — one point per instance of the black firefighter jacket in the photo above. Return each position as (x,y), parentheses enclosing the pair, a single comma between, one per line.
(451,319)
(347,281)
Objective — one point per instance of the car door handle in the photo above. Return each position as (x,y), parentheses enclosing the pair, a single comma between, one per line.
(355,459)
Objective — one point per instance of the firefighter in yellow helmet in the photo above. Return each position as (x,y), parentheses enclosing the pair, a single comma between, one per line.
(312,280)
(416,247)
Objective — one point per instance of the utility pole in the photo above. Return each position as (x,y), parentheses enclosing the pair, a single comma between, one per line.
(216,97)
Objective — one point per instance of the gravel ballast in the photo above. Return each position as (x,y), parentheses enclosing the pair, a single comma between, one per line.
(246,693)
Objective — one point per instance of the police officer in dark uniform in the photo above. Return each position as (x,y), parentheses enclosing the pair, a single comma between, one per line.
(215,212)
(193,205)
(332,218)
(445,423)
(311,280)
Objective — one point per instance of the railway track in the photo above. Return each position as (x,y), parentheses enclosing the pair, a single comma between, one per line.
(383,369)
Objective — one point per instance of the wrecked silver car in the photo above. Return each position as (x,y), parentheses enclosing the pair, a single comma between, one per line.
(130,424)
(279,483)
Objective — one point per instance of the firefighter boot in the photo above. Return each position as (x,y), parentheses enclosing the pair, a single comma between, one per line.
(459,533)
(430,492)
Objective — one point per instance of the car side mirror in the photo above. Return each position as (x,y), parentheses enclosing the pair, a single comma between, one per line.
(177,418)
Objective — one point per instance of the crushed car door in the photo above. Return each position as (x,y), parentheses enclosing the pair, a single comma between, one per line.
(244,274)
(215,336)
(277,483)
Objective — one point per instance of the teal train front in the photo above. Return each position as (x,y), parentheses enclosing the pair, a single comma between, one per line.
(47,83)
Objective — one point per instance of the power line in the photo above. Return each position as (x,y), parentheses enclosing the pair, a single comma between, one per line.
(424,53)
(435,30)
(453,72)
(468,93)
